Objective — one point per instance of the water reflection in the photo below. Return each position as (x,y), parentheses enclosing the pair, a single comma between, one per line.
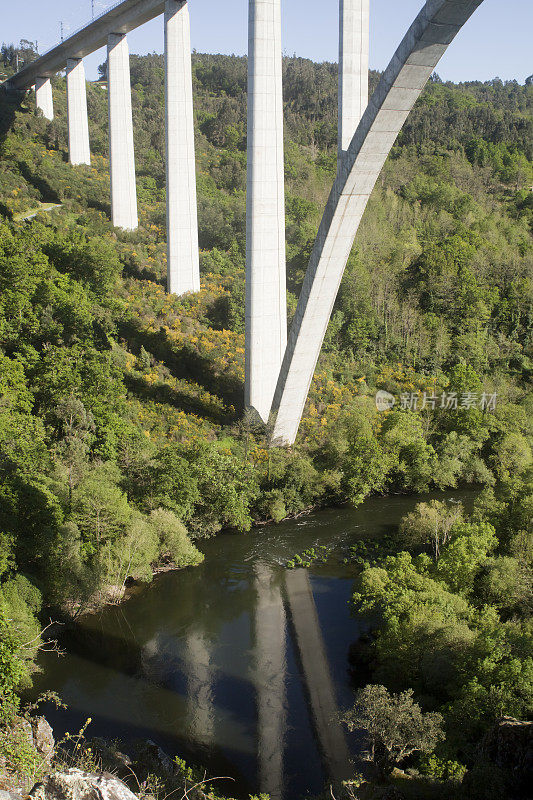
(200,675)
(317,674)
(237,665)
(270,676)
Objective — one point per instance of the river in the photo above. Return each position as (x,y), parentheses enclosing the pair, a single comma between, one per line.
(239,665)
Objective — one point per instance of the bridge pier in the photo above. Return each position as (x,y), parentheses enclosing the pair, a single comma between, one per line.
(354,29)
(78,122)
(43,97)
(183,267)
(121,151)
(266,308)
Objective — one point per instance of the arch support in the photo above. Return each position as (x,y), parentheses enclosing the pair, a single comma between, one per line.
(425,42)
(183,268)
(121,151)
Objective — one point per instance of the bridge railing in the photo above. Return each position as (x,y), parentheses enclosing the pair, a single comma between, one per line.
(82,27)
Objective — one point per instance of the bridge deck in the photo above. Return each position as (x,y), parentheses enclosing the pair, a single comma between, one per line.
(122,18)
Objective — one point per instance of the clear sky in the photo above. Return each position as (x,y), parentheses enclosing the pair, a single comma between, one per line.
(496,42)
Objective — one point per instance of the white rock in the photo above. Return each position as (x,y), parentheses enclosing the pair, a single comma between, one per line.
(43,737)
(77,785)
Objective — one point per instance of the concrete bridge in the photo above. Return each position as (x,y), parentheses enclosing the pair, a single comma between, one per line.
(279,369)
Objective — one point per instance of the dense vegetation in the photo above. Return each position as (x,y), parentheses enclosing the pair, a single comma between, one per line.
(451,615)
(122,433)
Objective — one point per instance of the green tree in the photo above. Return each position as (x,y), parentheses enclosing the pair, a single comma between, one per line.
(175,546)
(100,507)
(465,554)
(77,426)
(173,482)
(365,468)
(412,457)
(430,525)
(396,726)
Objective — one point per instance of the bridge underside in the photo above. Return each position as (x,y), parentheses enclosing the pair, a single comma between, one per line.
(123,18)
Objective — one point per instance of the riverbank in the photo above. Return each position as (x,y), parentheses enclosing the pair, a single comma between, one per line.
(92,767)
(114,594)
(186,661)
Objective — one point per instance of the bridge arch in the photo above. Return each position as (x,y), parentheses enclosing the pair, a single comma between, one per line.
(401,84)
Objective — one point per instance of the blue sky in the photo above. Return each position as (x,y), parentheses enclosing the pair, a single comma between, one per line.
(496,42)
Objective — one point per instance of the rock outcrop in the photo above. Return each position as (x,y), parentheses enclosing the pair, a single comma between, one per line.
(77,785)
(33,737)
(504,762)
(5,795)
(43,737)
(509,745)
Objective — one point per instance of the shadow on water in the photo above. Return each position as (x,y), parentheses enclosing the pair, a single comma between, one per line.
(134,692)
(108,727)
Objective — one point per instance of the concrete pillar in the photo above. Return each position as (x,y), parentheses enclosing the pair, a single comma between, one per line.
(266,311)
(270,681)
(78,123)
(199,672)
(354,25)
(43,97)
(183,267)
(314,662)
(121,152)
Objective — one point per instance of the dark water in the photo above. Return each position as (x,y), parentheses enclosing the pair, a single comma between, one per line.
(239,665)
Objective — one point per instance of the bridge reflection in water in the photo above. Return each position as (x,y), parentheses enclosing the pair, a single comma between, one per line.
(284,618)
(199,671)
(316,673)
(270,679)
(238,666)
(230,672)
(284,607)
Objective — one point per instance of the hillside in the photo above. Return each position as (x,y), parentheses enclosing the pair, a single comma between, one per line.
(436,296)
(122,432)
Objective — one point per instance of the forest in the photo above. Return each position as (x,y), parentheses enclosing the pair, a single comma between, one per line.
(123,437)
